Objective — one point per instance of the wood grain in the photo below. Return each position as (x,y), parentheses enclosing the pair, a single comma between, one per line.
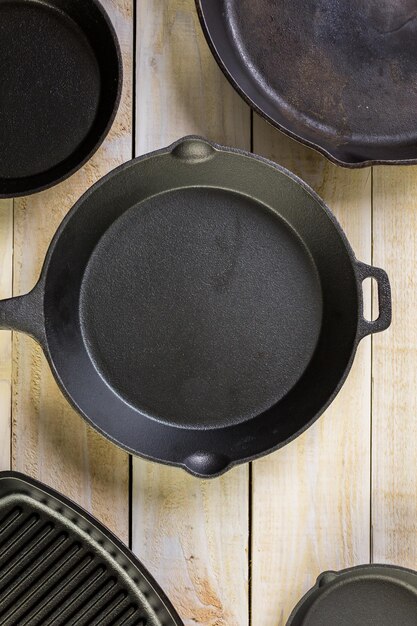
(50,441)
(179,88)
(192,534)
(311,500)
(6,279)
(394,475)
(309,507)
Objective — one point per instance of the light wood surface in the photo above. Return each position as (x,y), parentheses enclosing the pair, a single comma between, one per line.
(394,476)
(6,279)
(193,535)
(239,550)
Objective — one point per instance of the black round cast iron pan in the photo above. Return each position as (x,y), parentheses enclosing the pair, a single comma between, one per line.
(61,78)
(338,76)
(60,566)
(368,595)
(199,306)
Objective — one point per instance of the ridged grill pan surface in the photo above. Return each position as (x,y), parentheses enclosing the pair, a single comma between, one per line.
(58,566)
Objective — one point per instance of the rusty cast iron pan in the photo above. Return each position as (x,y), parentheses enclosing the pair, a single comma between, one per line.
(60,566)
(369,595)
(199,306)
(60,84)
(338,76)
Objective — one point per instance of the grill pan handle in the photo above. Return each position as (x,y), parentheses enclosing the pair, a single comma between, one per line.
(367,327)
(24,313)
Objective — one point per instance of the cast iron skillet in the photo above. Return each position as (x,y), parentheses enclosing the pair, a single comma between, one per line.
(338,76)
(61,78)
(383,595)
(199,306)
(60,566)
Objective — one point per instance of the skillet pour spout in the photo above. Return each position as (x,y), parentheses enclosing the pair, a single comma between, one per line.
(200,306)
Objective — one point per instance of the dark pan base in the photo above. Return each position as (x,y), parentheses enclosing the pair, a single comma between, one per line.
(360,602)
(213,305)
(361,596)
(340,75)
(59,73)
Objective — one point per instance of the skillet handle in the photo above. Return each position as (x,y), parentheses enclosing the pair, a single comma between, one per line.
(24,313)
(384,298)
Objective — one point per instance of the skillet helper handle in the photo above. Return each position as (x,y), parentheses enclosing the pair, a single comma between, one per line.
(383,321)
(24,314)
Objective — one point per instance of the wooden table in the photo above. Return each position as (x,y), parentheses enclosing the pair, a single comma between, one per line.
(238,550)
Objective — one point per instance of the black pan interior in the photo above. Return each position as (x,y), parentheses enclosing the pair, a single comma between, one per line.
(60,77)
(212,305)
(340,75)
(59,566)
(380,595)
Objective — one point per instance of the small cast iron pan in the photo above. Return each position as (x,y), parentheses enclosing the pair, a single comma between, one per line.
(338,76)
(61,78)
(369,595)
(199,306)
(60,566)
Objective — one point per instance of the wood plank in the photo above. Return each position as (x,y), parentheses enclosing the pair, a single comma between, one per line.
(192,534)
(311,499)
(50,441)
(6,278)
(394,497)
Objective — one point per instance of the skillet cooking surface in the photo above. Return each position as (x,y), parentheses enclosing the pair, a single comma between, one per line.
(340,75)
(59,89)
(379,595)
(212,303)
(366,602)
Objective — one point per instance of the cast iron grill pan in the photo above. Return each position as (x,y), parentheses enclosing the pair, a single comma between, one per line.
(200,306)
(339,76)
(380,595)
(60,76)
(58,566)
